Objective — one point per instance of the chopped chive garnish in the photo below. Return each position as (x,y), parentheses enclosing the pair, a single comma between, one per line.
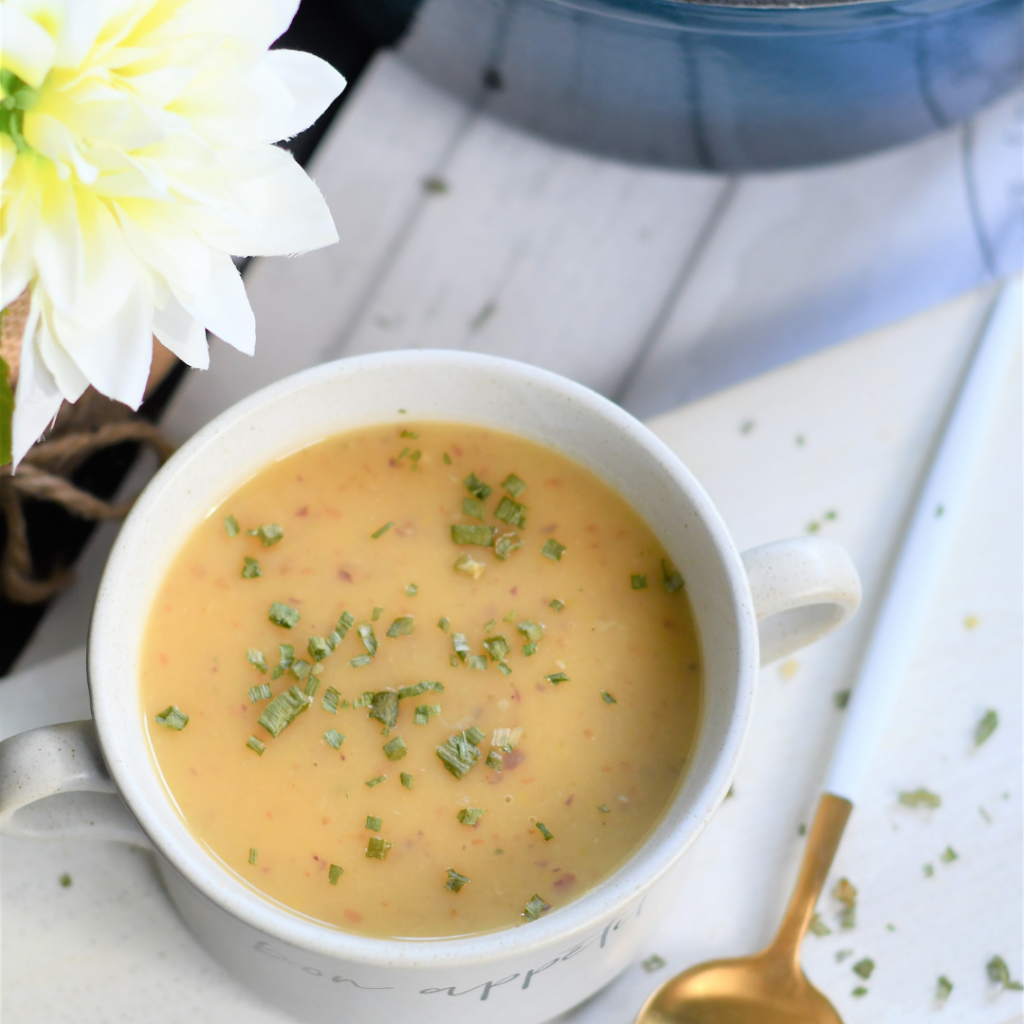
(920,798)
(402,626)
(334,738)
(415,456)
(255,658)
(474,735)
(395,749)
(531,630)
(376,613)
(253,854)
(999,973)
(473,507)
(467,564)
(671,580)
(423,686)
(494,760)
(478,662)
(444,624)
(299,668)
(318,648)
(863,968)
(604,808)
(330,700)
(545,832)
(510,617)
(424,712)
(472,534)
(513,485)
(254,744)
(859,991)
(286,654)
(949,855)
(455,880)
(377,847)
(377,534)
(459,752)
(988,724)
(470,815)
(276,672)
(283,615)
(943,987)
(411,590)
(506,739)
(173,718)
(364,700)
(373,823)
(652,963)
(231,525)
(251,569)
(461,645)
(556,604)
(504,669)
(409,433)
(446,458)
(269,533)
(334,872)
(489,625)
(345,623)
(497,647)
(639,581)
(558,677)
(453,661)
(608,698)
(477,487)
(552,549)
(506,544)
(385,707)
(370,783)
(529,649)
(402,454)
(511,512)
(406,780)
(369,640)
(360,660)
(818,926)
(535,908)
(283,710)
(261,692)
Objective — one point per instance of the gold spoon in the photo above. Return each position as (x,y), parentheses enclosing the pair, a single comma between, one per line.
(769,987)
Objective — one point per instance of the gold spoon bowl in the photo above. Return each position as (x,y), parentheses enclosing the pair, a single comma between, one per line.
(768,987)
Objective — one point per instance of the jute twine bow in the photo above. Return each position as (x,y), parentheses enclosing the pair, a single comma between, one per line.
(81,430)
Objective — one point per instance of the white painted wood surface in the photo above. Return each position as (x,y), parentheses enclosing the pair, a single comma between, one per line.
(110,948)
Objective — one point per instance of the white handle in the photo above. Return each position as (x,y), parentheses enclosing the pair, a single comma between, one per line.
(802,588)
(919,563)
(53,782)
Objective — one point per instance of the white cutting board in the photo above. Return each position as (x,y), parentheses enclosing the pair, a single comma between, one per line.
(849,431)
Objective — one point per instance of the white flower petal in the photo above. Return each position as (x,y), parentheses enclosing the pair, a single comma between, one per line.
(277,209)
(8,154)
(50,137)
(69,378)
(37,398)
(283,13)
(28,49)
(114,356)
(179,331)
(312,83)
(79,26)
(223,309)
(57,241)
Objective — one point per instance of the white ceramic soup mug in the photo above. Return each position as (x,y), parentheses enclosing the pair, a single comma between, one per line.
(99,778)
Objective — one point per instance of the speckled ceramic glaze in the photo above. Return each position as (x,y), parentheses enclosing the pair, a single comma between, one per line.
(53,781)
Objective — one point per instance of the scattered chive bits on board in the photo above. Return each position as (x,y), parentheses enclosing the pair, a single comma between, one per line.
(354,535)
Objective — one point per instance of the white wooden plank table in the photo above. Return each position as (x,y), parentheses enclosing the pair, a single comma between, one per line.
(868,413)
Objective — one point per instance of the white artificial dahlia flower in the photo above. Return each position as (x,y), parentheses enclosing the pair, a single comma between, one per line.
(136,154)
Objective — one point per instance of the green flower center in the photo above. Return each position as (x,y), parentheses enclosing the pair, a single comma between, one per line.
(17,98)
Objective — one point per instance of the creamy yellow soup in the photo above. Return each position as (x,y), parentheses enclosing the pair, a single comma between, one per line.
(490,696)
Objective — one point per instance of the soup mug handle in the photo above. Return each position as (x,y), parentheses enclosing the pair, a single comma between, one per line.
(53,782)
(802,588)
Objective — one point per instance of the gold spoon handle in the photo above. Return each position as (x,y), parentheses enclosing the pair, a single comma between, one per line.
(829,822)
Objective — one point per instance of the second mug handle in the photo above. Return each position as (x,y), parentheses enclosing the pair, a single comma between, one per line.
(802,588)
